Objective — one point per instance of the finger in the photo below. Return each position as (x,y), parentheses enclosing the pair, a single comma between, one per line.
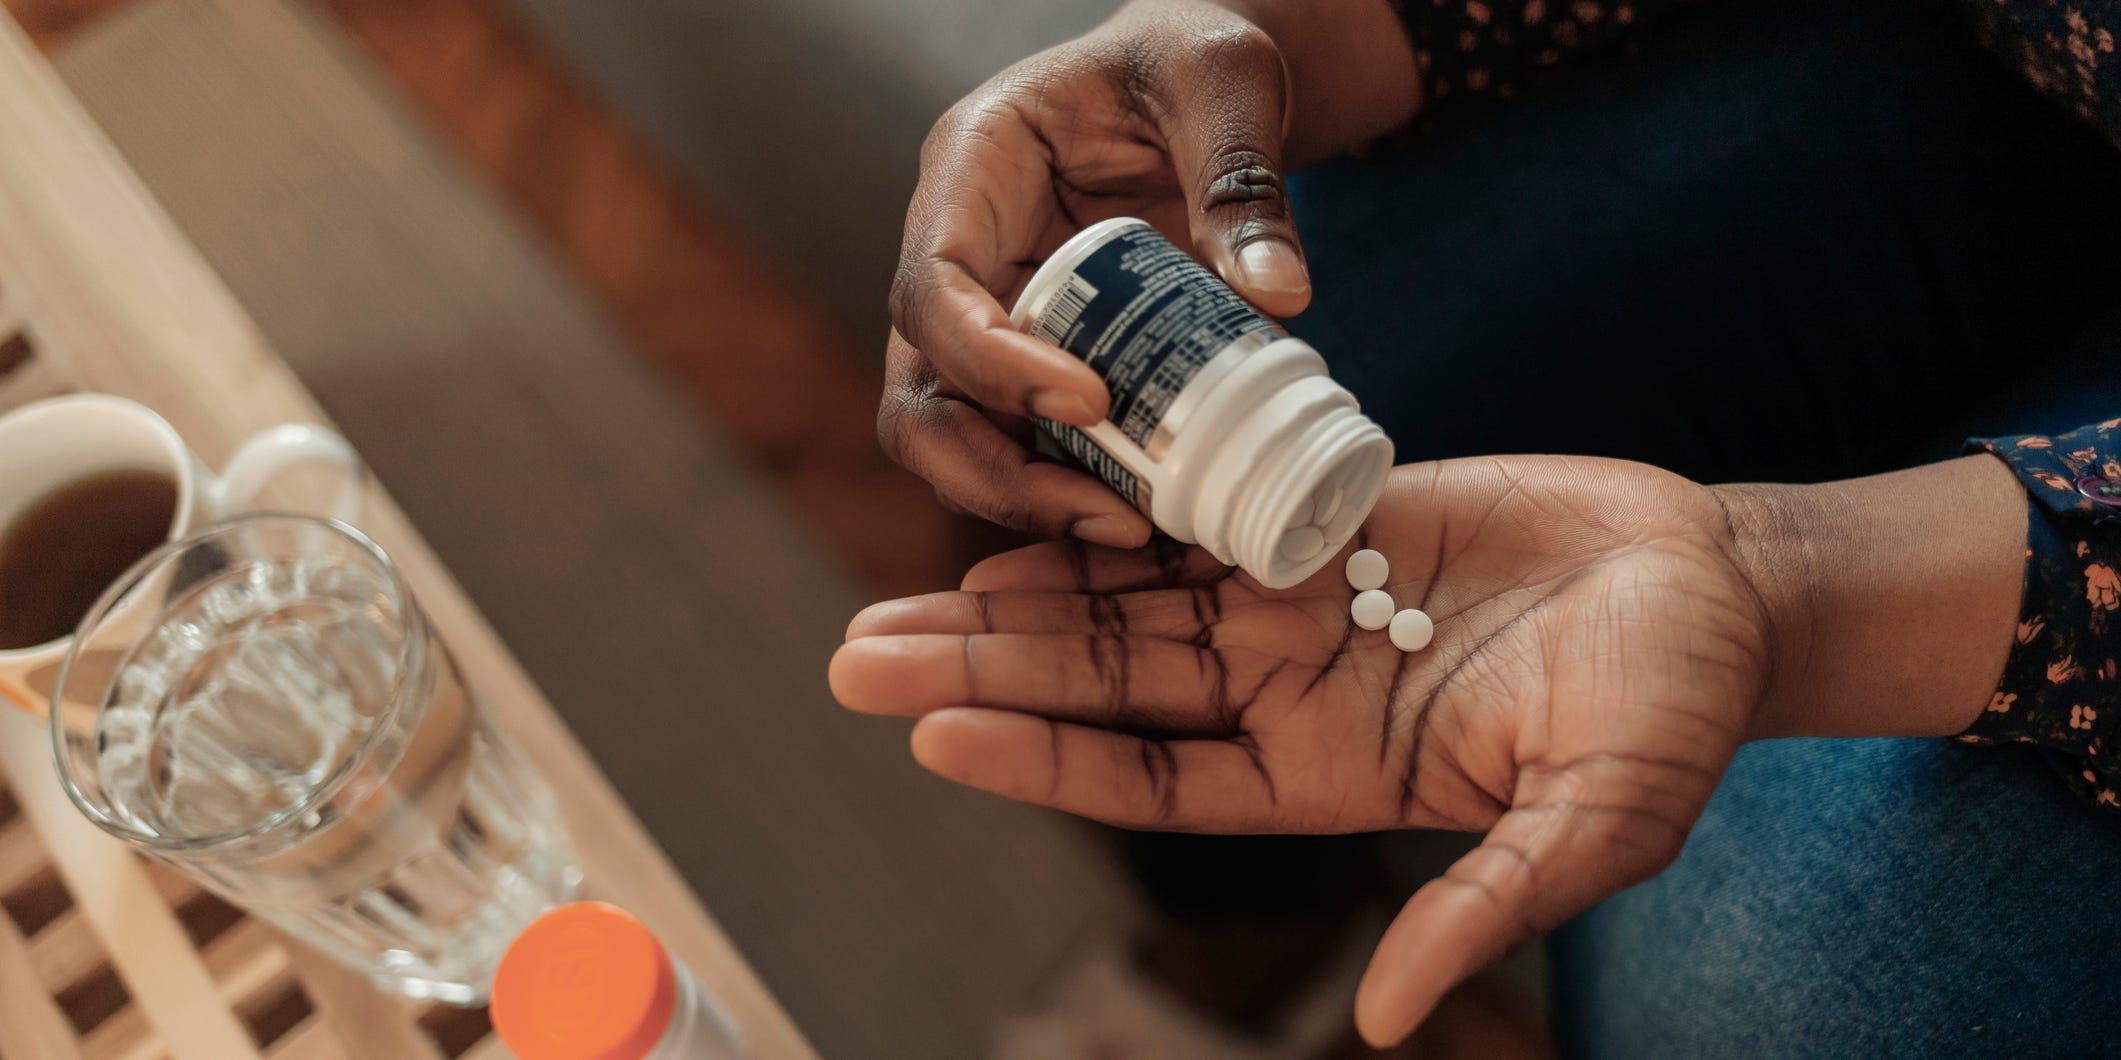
(1174,613)
(1541,864)
(1225,128)
(1178,785)
(952,506)
(970,220)
(1145,683)
(948,316)
(978,467)
(1074,567)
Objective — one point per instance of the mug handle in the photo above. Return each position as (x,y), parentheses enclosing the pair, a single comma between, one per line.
(273,451)
(11,693)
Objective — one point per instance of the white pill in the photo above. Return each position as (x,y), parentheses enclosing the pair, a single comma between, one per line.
(1326,506)
(1302,543)
(1372,609)
(1368,570)
(1412,630)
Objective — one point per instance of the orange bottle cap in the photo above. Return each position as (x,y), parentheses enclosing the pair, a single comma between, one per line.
(585,981)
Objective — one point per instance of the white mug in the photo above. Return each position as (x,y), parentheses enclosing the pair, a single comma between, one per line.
(50,444)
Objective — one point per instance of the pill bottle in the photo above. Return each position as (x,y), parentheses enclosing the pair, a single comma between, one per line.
(586,981)
(1224,429)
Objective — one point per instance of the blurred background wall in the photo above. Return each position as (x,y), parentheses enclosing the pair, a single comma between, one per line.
(801,119)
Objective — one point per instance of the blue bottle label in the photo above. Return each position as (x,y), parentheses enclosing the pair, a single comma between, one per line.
(1148,318)
(1073,442)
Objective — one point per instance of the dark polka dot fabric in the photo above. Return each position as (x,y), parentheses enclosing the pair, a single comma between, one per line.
(1472,49)
(2061,689)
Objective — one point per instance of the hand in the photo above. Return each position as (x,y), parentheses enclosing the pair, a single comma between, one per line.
(1599,654)
(1176,111)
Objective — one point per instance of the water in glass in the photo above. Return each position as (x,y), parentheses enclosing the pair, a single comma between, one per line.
(267,682)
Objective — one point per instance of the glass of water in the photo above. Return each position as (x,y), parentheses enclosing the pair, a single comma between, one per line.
(264,706)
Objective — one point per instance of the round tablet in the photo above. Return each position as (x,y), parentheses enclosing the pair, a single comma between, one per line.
(1412,630)
(1372,609)
(1368,570)
(1301,543)
(1326,504)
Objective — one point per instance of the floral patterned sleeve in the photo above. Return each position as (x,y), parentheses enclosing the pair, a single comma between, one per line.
(1493,48)
(2061,688)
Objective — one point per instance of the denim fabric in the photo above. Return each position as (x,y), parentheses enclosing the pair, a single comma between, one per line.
(1789,240)
(1873,898)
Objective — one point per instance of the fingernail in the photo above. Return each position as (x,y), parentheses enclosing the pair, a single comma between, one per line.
(1272,265)
(1062,407)
(1108,530)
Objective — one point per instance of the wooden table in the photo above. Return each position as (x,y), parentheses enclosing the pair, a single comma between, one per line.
(101,953)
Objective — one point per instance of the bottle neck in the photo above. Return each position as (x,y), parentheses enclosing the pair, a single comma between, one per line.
(699,1029)
(1338,459)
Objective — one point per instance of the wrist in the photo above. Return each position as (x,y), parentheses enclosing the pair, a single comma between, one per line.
(1774,546)
(1889,602)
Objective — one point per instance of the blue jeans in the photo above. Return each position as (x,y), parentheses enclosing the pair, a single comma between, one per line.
(1791,240)
(1874,898)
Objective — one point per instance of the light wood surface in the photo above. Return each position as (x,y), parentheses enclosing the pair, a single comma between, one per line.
(676,616)
(111,298)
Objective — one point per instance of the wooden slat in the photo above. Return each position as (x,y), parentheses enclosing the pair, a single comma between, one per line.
(312,1039)
(168,980)
(125,306)
(65,950)
(274,1009)
(125,1036)
(31,1025)
(369,1023)
(246,959)
(175,890)
(21,855)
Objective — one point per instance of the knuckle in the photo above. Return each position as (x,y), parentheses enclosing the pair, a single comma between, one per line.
(891,425)
(1243,175)
(950,127)
(909,284)
(905,410)
(1245,197)
(1012,510)
(1238,48)
(971,121)
(1010,499)
(950,504)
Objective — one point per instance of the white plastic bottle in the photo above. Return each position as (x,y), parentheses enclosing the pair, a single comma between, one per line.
(1225,430)
(586,981)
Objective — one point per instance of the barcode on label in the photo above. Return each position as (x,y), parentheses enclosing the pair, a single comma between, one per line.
(1062,311)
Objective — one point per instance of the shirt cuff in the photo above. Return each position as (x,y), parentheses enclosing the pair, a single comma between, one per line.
(2061,686)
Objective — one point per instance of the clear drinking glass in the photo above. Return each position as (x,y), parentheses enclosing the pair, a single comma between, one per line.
(264,706)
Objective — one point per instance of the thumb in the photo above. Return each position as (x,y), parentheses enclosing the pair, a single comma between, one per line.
(1225,131)
(1540,865)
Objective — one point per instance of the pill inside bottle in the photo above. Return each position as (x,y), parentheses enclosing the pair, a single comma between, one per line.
(1301,543)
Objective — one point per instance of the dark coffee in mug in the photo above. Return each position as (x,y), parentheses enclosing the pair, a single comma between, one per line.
(64,548)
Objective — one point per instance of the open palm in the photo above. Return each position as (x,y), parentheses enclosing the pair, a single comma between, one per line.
(1597,658)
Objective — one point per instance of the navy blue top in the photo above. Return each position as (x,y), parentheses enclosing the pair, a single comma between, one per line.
(1494,48)
(2061,688)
